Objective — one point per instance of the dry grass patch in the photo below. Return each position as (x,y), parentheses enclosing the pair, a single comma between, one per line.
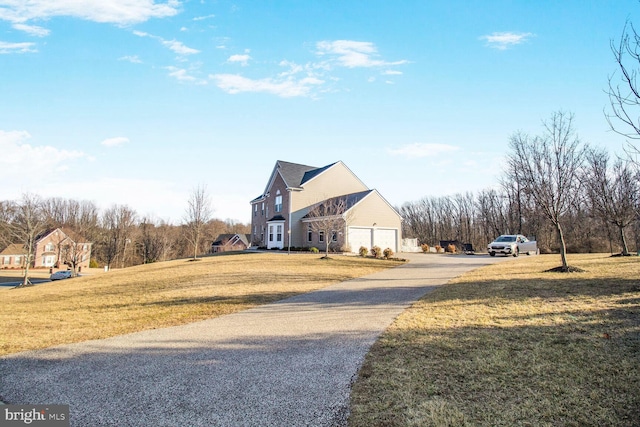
(163,294)
(512,345)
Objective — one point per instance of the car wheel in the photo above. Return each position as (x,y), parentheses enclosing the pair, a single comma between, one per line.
(492,253)
(516,252)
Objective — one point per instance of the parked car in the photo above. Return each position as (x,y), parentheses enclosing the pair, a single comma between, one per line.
(512,244)
(62,274)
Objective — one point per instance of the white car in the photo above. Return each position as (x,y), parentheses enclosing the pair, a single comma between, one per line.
(62,274)
(512,244)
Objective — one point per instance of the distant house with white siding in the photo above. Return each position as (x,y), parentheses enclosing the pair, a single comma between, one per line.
(280,215)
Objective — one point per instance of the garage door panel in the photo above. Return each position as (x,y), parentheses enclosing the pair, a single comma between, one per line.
(385,239)
(359,237)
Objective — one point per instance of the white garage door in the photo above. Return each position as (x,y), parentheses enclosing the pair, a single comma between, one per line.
(385,239)
(359,237)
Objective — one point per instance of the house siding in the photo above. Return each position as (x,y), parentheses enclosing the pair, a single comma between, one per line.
(335,181)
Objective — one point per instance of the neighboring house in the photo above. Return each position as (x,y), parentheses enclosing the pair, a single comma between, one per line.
(280,216)
(230,242)
(54,248)
(12,256)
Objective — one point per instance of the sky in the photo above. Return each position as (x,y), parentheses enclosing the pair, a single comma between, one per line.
(139,102)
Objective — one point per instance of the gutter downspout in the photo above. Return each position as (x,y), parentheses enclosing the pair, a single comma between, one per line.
(289,223)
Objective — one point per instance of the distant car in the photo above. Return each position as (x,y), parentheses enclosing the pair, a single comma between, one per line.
(512,244)
(62,274)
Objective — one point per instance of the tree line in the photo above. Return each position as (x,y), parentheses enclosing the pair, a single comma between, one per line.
(120,236)
(568,196)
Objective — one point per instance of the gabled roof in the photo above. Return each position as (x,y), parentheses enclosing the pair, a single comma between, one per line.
(313,173)
(224,238)
(13,249)
(67,233)
(293,173)
(351,200)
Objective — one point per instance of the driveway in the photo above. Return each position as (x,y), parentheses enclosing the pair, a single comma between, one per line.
(289,363)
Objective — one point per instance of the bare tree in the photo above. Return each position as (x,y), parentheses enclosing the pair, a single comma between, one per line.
(613,192)
(117,224)
(328,218)
(624,92)
(548,169)
(197,215)
(155,240)
(24,222)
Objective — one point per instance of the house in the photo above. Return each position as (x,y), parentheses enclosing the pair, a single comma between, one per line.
(285,214)
(230,242)
(53,248)
(12,256)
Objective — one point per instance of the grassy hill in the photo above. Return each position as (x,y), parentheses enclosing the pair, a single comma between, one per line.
(163,294)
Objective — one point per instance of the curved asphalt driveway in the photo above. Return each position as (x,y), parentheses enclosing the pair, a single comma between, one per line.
(290,363)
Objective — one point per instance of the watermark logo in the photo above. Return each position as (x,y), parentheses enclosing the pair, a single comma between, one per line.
(34,415)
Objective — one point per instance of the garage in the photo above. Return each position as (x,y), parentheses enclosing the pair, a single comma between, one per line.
(370,237)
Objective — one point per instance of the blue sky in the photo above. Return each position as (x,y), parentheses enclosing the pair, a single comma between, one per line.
(137,102)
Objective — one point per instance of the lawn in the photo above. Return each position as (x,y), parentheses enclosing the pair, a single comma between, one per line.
(163,294)
(512,345)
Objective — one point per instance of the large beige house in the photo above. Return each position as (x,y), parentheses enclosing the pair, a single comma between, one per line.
(280,216)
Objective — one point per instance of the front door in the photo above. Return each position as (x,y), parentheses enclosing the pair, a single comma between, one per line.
(275,235)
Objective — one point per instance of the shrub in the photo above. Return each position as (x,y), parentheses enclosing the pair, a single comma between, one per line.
(451,248)
(438,248)
(376,251)
(363,251)
(388,253)
(314,250)
(425,248)
(93,263)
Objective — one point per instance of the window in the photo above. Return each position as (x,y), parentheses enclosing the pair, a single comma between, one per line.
(5,260)
(271,233)
(278,204)
(262,211)
(309,233)
(321,236)
(279,233)
(255,210)
(17,260)
(334,236)
(50,247)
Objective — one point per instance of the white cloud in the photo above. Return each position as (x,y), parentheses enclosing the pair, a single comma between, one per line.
(287,88)
(202,18)
(423,150)
(178,47)
(33,30)
(353,54)
(392,73)
(183,75)
(240,59)
(502,41)
(114,142)
(174,45)
(29,162)
(23,47)
(131,58)
(121,12)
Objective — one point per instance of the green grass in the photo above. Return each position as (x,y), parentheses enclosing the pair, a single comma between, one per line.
(512,345)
